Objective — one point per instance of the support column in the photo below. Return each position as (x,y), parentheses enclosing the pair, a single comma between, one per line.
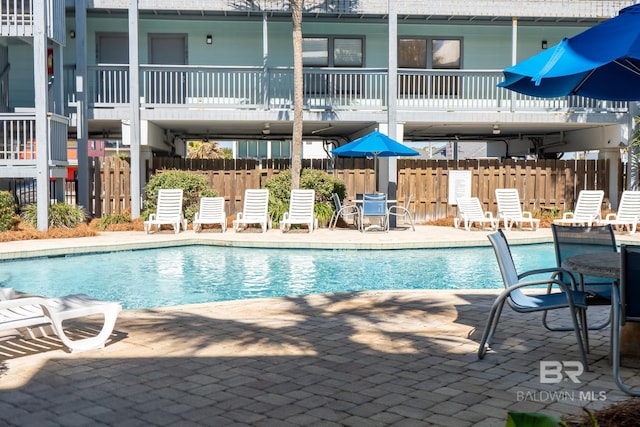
(40,81)
(134,111)
(82,133)
(388,179)
(613,156)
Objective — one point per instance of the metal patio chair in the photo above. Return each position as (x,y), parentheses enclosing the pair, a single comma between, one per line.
(522,302)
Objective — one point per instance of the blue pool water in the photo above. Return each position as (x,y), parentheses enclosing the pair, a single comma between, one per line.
(194,274)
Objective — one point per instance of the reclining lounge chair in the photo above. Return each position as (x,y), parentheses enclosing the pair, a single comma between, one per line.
(20,313)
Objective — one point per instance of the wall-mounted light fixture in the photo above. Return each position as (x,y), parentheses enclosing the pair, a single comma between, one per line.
(209,39)
(544,44)
(72,34)
(496,129)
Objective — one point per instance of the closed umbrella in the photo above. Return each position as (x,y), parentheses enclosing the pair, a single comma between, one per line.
(602,62)
(374,144)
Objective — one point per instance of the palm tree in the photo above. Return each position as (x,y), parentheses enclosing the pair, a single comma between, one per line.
(296,138)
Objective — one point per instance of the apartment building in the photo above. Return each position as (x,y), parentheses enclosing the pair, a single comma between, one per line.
(155,74)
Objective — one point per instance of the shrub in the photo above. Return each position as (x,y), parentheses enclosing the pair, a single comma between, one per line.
(7,211)
(193,185)
(323,183)
(61,215)
(108,220)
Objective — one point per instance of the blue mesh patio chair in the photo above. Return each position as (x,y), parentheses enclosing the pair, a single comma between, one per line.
(626,307)
(374,207)
(570,241)
(523,302)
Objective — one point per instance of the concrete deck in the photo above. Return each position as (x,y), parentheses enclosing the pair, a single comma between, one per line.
(398,358)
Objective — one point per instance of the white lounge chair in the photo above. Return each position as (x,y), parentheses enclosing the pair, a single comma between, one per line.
(26,313)
(254,211)
(168,211)
(301,210)
(510,210)
(587,211)
(470,212)
(211,212)
(628,215)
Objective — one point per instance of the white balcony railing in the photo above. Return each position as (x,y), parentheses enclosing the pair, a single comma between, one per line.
(17,17)
(18,142)
(324,89)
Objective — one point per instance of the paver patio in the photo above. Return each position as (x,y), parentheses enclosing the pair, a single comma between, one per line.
(388,358)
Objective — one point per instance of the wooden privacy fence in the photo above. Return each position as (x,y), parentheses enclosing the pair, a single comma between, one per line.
(542,184)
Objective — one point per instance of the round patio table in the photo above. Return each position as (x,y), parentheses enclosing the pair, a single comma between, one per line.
(607,264)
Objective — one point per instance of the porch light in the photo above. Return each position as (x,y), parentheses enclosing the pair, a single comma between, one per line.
(72,34)
(544,44)
(209,39)
(496,129)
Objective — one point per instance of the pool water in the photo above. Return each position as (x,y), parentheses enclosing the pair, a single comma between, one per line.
(194,274)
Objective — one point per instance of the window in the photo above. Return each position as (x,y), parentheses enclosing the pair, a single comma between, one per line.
(345,52)
(429,53)
(333,52)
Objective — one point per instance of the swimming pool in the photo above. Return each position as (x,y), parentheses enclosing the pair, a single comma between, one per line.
(194,274)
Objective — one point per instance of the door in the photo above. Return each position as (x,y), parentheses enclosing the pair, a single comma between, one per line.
(167,85)
(111,81)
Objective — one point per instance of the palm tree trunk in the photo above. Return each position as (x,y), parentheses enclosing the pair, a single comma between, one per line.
(296,149)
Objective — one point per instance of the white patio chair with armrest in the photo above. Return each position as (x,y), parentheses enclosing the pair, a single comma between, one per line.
(255,210)
(403,211)
(301,210)
(470,212)
(587,210)
(626,307)
(510,209)
(628,214)
(30,312)
(211,212)
(374,206)
(168,211)
(526,303)
(343,211)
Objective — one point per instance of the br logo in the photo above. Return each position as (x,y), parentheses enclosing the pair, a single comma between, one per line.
(554,372)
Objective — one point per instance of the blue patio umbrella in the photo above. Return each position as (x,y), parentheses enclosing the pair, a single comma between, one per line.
(374,144)
(602,62)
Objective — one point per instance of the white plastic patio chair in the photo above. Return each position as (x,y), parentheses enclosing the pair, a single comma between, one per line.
(168,211)
(587,211)
(301,210)
(628,215)
(254,211)
(211,212)
(510,210)
(470,212)
(403,211)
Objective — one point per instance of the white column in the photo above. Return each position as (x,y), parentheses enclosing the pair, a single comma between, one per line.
(41,102)
(134,111)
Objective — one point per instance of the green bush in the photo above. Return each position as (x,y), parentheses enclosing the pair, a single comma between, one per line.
(61,215)
(323,183)
(106,221)
(7,211)
(193,185)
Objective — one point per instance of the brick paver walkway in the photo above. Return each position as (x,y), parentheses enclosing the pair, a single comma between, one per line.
(397,358)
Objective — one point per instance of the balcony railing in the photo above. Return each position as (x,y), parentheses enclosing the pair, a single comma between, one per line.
(18,142)
(355,89)
(17,16)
